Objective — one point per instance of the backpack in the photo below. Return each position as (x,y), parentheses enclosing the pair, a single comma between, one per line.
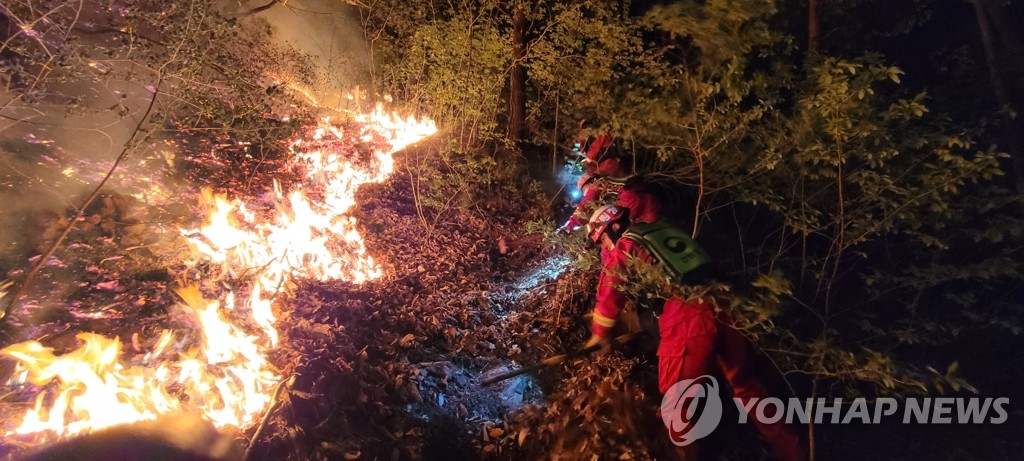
(672,249)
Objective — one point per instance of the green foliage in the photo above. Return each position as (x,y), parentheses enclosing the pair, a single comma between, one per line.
(541,226)
(866,171)
(652,283)
(877,227)
(450,61)
(455,76)
(896,169)
(869,188)
(446,181)
(237,86)
(578,63)
(703,97)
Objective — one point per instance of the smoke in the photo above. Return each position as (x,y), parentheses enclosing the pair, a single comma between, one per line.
(50,159)
(329,33)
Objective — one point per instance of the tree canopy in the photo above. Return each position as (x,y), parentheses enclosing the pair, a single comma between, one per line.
(868,222)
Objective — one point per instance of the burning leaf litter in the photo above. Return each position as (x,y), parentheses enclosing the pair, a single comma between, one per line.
(386,363)
(221,367)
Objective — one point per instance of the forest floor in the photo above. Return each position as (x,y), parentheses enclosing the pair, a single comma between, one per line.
(390,369)
(405,354)
(397,373)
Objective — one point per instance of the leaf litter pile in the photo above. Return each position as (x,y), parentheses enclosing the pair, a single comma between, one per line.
(389,369)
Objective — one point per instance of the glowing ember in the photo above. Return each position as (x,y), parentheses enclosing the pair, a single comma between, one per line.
(218,364)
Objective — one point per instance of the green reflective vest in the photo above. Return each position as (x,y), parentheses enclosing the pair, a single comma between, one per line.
(671,248)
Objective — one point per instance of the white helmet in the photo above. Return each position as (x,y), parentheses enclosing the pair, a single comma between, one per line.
(605,217)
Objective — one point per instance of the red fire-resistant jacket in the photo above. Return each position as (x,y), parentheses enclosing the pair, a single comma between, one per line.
(602,143)
(679,319)
(643,206)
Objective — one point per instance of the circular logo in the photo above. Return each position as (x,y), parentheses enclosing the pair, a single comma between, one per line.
(676,244)
(691,409)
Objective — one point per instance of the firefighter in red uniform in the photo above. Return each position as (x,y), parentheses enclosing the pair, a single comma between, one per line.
(692,335)
(606,181)
(629,192)
(598,152)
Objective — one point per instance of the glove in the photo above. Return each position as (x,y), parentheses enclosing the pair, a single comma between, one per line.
(606,344)
(568,227)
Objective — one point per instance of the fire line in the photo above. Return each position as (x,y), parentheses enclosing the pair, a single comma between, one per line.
(222,371)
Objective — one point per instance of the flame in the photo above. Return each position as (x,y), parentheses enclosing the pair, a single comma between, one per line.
(217,364)
(95,388)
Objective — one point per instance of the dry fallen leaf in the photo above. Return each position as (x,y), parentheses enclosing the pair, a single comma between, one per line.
(522,435)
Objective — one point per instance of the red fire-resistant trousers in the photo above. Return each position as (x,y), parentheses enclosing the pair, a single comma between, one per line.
(691,340)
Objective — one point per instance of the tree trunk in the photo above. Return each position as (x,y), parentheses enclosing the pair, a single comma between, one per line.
(814,27)
(517,79)
(995,41)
